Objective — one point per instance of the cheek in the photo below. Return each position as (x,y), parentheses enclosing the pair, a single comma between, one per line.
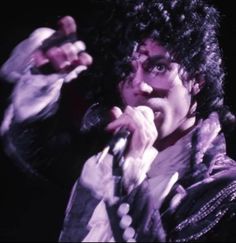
(125,94)
(175,112)
(180,100)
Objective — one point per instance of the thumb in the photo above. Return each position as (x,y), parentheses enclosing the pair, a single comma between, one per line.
(116,112)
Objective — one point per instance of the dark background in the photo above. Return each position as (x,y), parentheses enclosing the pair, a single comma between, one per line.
(38,216)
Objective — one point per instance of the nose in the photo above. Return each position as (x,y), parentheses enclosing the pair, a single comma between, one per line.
(140,85)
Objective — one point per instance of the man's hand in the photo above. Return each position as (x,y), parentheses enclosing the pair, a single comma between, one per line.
(40,65)
(97,174)
(62,52)
(56,52)
(140,153)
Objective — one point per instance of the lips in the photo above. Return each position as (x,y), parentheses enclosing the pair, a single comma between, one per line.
(157,113)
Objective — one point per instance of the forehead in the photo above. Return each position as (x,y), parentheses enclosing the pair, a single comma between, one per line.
(150,47)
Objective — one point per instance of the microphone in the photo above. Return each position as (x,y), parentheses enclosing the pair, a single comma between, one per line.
(116,145)
(96,118)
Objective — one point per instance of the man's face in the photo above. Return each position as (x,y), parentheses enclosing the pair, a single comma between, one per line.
(155,81)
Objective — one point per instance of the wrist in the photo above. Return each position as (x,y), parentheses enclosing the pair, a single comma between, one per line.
(135,168)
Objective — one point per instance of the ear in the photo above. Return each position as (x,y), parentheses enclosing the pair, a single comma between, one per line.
(192,109)
(197,86)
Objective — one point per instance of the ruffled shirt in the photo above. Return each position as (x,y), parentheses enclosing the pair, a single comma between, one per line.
(161,178)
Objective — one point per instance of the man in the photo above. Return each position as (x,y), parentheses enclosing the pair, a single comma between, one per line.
(173,180)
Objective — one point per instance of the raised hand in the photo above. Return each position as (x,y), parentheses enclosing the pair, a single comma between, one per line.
(40,65)
(62,52)
(47,51)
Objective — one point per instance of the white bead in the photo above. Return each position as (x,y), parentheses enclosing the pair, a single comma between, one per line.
(125,221)
(128,233)
(131,240)
(123,209)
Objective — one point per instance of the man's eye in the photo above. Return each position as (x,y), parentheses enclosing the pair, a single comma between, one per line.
(158,69)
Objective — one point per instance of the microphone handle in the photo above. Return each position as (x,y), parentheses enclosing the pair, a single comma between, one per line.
(119,142)
(116,146)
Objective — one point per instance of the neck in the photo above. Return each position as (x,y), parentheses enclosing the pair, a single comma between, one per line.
(171,139)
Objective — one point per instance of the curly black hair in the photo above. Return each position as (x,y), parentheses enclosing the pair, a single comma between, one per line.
(187,28)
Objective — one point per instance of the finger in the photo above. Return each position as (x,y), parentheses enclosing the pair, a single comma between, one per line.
(123,121)
(70,52)
(140,138)
(120,122)
(67,25)
(84,59)
(66,33)
(40,59)
(149,119)
(73,48)
(147,112)
(130,119)
(57,58)
(74,74)
(79,46)
(139,118)
(76,55)
(116,112)
(145,135)
(63,57)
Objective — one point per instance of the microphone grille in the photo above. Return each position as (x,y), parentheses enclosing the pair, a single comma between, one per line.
(96,117)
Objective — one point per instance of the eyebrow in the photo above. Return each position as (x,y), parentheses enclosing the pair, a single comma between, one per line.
(157,58)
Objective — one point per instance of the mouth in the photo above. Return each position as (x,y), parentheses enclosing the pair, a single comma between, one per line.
(157,108)
(158,118)
(157,114)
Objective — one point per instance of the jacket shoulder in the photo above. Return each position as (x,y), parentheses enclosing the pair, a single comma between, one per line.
(208,212)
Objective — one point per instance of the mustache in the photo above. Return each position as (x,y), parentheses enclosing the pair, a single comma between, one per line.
(156,93)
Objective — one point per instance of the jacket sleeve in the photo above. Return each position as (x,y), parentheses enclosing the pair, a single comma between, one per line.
(31,130)
(207,214)
(78,213)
